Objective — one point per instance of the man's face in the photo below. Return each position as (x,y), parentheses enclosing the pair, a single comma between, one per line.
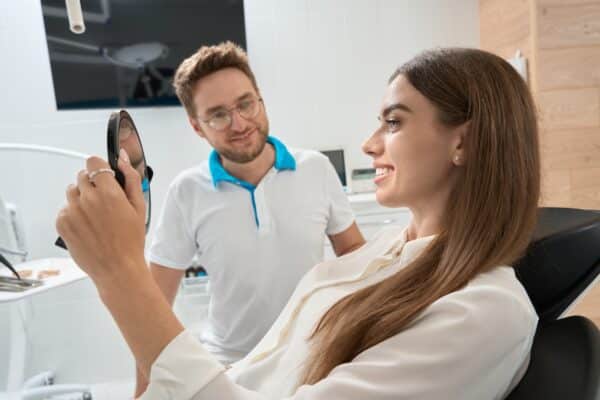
(215,95)
(130,142)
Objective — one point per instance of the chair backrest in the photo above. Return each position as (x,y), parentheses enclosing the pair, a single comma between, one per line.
(565,362)
(562,260)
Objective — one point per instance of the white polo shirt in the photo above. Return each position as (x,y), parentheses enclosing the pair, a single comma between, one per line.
(255,242)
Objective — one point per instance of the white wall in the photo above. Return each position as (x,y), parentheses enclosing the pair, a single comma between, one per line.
(322,66)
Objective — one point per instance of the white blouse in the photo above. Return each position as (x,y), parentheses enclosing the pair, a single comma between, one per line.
(470,344)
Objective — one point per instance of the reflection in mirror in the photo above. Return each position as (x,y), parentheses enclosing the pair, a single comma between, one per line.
(122,134)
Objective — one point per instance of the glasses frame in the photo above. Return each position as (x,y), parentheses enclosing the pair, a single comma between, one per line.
(230,111)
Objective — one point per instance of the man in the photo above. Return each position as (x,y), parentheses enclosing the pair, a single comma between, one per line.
(255,214)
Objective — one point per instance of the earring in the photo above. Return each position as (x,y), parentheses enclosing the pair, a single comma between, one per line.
(457,158)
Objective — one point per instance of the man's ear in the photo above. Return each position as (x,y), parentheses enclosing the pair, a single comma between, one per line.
(196,127)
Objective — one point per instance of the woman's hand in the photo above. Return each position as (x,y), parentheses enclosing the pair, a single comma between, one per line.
(103,225)
(104,229)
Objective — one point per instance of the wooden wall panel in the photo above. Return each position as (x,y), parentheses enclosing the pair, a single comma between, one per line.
(569,26)
(504,27)
(571,149)
(566,109)
(576,67)
(556,188)
(585,188)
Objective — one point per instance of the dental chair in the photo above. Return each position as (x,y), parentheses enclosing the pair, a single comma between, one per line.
(561,264)
(563,260)
(564,364)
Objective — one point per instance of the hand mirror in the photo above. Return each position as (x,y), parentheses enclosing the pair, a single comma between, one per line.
(122,134)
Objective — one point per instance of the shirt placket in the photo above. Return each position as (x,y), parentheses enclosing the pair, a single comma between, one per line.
(261,203)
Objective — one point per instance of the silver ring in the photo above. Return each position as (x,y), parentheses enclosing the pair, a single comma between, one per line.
(92,174)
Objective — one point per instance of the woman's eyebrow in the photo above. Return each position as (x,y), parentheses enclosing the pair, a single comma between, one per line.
(396,106)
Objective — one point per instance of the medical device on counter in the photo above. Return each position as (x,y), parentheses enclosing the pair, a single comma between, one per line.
(362,180)
(336,157)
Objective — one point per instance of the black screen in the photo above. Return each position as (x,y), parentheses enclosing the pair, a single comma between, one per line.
(337,159)
(131,48)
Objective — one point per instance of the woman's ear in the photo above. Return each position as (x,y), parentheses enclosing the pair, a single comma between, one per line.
(457,151)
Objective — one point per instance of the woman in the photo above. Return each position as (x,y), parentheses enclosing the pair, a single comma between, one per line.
(428,312)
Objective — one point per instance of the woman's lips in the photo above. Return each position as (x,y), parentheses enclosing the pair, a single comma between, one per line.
(381,173)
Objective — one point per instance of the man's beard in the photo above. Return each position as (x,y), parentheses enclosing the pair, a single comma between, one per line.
(242,157)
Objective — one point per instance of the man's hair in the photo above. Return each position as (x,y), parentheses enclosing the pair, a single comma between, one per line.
(205,61)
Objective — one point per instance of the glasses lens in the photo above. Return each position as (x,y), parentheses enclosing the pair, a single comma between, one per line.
(248,108)
(220,122)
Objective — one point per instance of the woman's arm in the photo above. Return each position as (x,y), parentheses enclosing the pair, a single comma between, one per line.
(103,227)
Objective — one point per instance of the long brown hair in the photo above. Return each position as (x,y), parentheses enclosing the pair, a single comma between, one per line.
(489,217)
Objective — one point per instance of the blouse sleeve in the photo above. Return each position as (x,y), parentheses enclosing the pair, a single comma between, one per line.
(470,345)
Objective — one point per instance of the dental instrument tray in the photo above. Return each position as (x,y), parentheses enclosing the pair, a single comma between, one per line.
(10,284)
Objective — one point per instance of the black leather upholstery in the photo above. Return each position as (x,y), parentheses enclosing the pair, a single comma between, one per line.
(565,362)
(562,260)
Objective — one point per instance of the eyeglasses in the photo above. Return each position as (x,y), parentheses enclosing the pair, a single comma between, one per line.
(222,118)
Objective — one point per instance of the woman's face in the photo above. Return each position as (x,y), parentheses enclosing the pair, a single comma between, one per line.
(415,156)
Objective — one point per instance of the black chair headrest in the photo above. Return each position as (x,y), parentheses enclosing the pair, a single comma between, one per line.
(564,364)
(562,260)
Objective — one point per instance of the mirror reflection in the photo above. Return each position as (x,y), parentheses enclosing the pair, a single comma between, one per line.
(128,139)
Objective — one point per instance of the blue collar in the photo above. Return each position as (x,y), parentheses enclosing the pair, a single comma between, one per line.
(283,161)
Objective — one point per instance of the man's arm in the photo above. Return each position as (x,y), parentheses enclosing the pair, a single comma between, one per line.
(168,280)
(347,241)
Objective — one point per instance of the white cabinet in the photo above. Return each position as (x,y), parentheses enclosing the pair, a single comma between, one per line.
(371,216)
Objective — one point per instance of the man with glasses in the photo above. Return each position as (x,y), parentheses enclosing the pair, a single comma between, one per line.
(255,214)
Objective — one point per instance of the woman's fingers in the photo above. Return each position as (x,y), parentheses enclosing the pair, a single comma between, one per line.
(73,194)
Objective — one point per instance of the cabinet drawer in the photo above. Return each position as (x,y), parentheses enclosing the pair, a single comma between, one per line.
(371,223)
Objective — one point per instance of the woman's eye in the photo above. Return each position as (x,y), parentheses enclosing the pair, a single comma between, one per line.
(392,124)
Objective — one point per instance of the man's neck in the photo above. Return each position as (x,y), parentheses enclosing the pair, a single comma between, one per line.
(253,171)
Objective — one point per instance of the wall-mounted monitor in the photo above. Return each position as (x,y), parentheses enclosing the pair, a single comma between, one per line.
(131,48)
(337,159)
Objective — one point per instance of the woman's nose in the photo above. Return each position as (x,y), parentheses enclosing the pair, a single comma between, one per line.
(372,145)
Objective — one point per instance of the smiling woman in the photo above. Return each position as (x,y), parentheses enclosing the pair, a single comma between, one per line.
(431,311)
